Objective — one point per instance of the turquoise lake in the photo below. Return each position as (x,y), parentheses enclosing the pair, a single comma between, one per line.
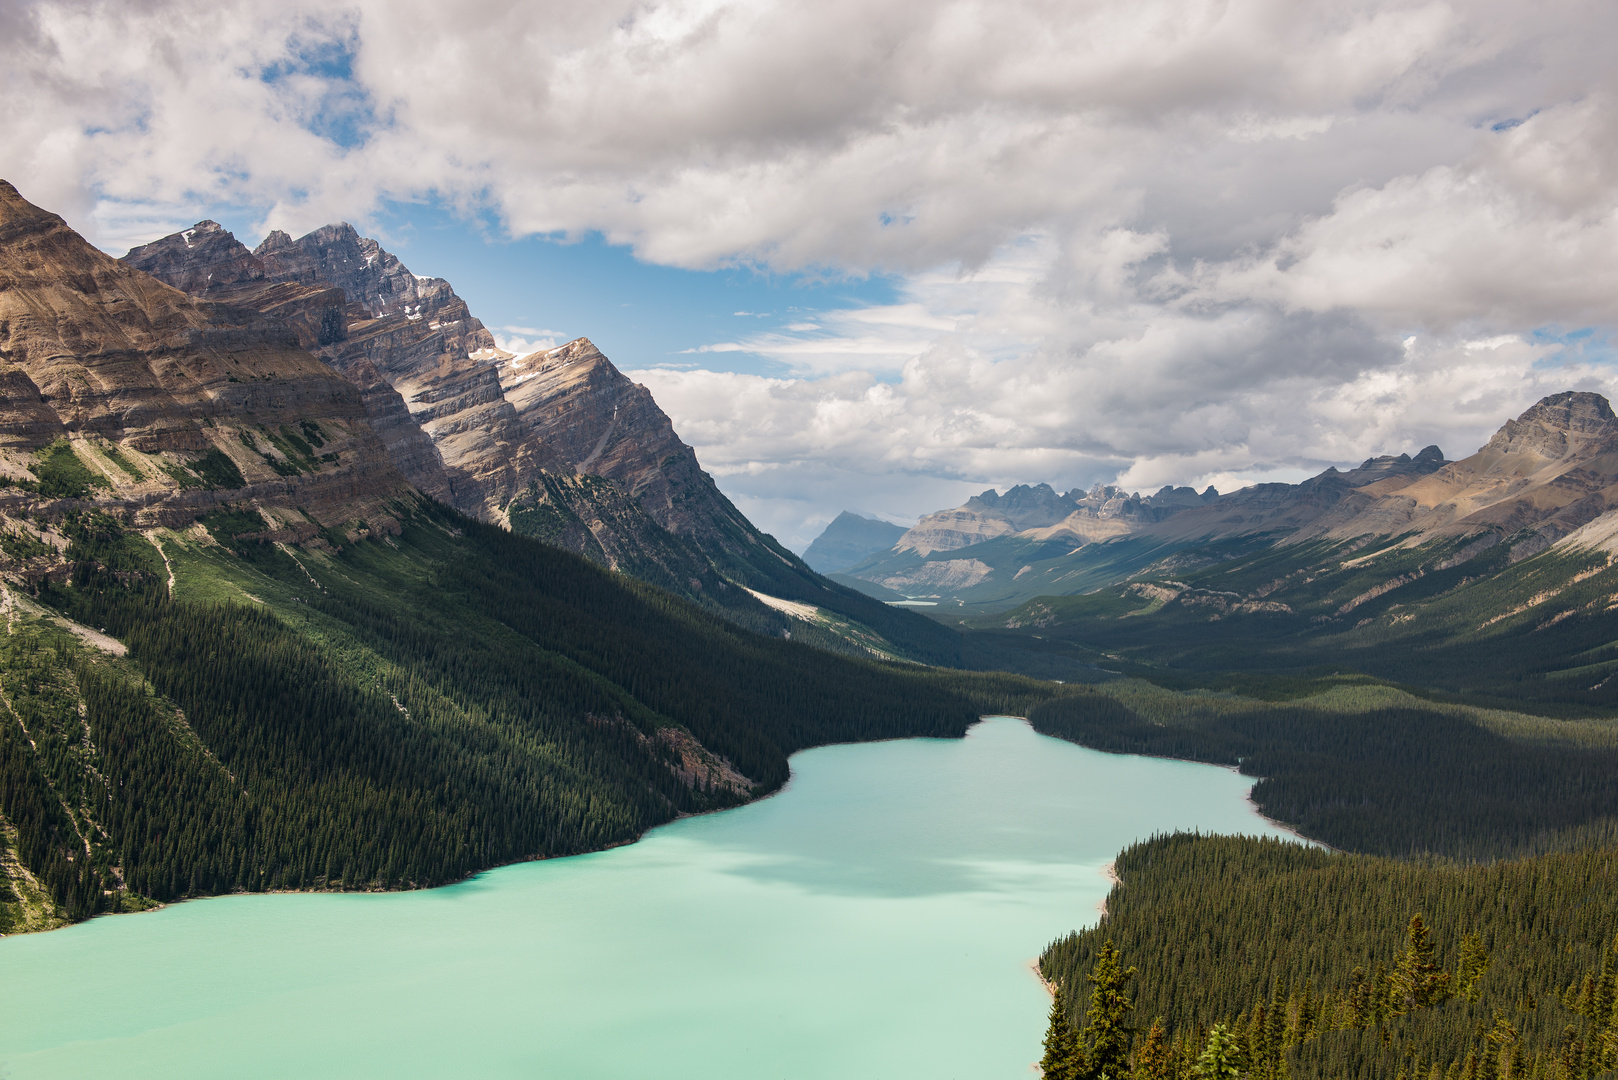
(876,919)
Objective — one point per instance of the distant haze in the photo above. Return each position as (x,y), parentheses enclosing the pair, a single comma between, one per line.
(848,539)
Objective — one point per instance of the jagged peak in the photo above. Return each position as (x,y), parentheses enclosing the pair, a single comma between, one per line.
(277,240)
(197,259)
(1557,424)
(577,349)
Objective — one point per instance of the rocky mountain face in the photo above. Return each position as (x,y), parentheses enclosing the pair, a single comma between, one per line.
(121,393)
(1329,501)
(500,437)
(1039,512)
(1541,476)
(599,423)
(849,538)
(558,445)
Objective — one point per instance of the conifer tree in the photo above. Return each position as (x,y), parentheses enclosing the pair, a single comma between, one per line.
(1154,1058)
(1418,981)
(1063,1060)
(1107,1035)
(1359,999)
(1221,1057)
(1469,969)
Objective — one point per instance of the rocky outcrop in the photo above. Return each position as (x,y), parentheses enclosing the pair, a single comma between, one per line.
(1556,427)
(1548,472)
(599,423)
(986,516)
(1039,513)
(1315,506)
(144,384)
(203,257)
(210,262)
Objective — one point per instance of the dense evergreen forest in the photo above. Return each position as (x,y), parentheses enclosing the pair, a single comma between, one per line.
(1267,958)
(399,712)
(1261,958)
(1392,779)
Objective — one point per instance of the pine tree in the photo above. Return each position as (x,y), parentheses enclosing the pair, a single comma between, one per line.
(1064,1059)
(1154,1058)
(1106,1035)
(1221,1057)
(1469,969)
(1418,981)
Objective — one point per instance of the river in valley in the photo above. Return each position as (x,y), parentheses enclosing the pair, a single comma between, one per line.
(876,919)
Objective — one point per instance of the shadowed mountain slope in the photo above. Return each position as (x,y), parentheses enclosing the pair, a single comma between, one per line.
(849,539)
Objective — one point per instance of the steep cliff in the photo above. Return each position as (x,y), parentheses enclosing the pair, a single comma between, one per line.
(123,393)
(210,263)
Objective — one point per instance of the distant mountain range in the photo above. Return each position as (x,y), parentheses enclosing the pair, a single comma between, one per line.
(848,539)
(1543,475)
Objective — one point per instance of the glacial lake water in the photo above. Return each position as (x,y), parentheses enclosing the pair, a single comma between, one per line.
(876,919)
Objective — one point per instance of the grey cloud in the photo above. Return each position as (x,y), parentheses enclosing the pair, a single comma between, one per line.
(1161,239)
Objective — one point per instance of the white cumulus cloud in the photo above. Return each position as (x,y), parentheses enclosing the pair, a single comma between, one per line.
(1156,240)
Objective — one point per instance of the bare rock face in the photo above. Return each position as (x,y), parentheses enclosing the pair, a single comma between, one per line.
(209,262)
(135,374)
(559,445)
(986,516)
(1039,513)
(599,423)
(1556,426)
(423,340)
(202,257)
(1546,473)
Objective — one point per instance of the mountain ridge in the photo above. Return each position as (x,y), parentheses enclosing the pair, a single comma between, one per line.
(138,386)
(1541,476)
(558,445)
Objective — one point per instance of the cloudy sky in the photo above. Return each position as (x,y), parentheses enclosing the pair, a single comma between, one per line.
(882,254)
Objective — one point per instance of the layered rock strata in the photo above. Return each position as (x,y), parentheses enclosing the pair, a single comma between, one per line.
(145,384)
(559,444)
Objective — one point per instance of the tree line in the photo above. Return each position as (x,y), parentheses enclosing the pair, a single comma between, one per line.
(1265,959)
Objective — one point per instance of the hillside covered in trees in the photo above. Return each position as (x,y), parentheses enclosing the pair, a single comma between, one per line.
(396,712)
(1464,926)
(1266,958)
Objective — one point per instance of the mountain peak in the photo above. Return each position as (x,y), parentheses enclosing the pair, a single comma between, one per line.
(848,539)
(1557,425)
(195,260)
